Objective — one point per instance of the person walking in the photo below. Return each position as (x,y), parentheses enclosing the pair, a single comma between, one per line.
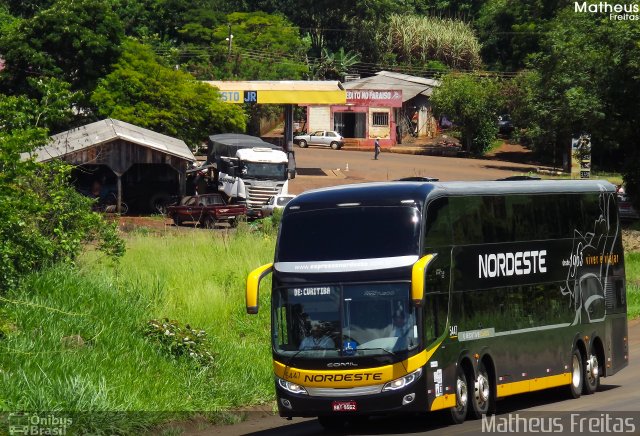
(376,147)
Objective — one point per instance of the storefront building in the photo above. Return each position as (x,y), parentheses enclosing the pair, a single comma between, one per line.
(368,114)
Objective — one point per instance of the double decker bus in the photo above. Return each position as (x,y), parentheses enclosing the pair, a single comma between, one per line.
(409,297)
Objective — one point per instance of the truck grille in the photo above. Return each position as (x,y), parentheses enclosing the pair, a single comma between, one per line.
(257,195)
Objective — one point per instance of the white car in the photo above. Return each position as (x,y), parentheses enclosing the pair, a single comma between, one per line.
(328,138)
(276,202)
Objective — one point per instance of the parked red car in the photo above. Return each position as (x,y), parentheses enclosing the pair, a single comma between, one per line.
(206,210)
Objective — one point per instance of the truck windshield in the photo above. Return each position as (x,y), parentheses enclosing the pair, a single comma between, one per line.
(348,233)
(346,320)
(263,170)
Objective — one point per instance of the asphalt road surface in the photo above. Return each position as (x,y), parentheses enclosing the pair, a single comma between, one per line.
(319,167)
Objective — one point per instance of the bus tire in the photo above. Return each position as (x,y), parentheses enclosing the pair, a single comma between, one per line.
(482,397)
(577,374)
(460,410)
(591,373)
(332,423)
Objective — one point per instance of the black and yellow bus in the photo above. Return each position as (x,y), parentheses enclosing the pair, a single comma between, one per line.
(406,297)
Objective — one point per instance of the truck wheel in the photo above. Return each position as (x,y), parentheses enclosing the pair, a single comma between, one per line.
(302,143)
(177,221)
(335,146)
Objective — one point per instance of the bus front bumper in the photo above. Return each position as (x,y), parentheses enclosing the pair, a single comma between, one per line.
(410,399)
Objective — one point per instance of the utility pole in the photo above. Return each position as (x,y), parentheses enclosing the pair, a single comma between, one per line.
(229,38)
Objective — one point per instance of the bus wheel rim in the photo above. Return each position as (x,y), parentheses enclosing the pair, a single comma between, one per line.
(482,389)
(576,373)
(461,391)
(592,369)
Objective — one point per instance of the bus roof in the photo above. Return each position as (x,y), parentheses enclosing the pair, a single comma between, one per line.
(398,193)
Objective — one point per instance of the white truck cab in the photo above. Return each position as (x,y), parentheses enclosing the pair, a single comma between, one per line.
(249,170)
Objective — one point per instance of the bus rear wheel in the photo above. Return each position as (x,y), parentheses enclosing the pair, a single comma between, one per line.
(577,374)
(460,410)
(591,373)
(481,400)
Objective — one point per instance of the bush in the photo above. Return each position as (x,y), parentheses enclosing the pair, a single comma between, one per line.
(180,341)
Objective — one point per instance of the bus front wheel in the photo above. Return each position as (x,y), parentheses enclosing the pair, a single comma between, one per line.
(459,411)
(577,374)
(482,391)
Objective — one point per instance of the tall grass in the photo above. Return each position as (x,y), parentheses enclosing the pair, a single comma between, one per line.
(421,39)
(632,269)
(74,342)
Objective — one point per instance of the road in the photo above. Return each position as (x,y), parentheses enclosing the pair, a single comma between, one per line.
(318,167)
(619,393)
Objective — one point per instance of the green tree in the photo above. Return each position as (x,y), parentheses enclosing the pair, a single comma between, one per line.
(471,102)
(141,91)
(264,47)
(511,30)
(43,220)
(75,40)
(586,79)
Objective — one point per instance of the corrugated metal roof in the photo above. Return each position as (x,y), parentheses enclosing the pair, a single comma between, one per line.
(107,130)
(385,80)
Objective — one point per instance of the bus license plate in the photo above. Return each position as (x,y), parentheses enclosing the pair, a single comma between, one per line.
(344,406)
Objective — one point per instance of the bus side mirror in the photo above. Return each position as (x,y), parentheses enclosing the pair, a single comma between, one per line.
(417,278)
(253,284)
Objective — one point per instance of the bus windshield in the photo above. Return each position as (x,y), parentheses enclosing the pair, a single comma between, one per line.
(346,320)
(349,233)
(263,170)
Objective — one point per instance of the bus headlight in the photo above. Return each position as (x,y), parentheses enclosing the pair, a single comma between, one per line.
(291,387)
(402,382)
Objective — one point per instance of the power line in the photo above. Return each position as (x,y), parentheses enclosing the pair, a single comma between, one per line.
(364,67)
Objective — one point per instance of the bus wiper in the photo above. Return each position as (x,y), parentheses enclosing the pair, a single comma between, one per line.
(395,355)
(392,353)
(290,360)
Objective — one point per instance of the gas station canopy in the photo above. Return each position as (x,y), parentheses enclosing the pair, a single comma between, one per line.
(299,92)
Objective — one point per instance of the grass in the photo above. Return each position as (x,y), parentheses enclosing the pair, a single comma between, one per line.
(73,338)
(632,269)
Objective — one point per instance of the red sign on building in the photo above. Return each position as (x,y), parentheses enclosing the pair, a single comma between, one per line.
(374,97)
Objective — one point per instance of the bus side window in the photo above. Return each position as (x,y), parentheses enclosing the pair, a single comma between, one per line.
(520,217)
(438,224)
(436,311)
(466,220)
